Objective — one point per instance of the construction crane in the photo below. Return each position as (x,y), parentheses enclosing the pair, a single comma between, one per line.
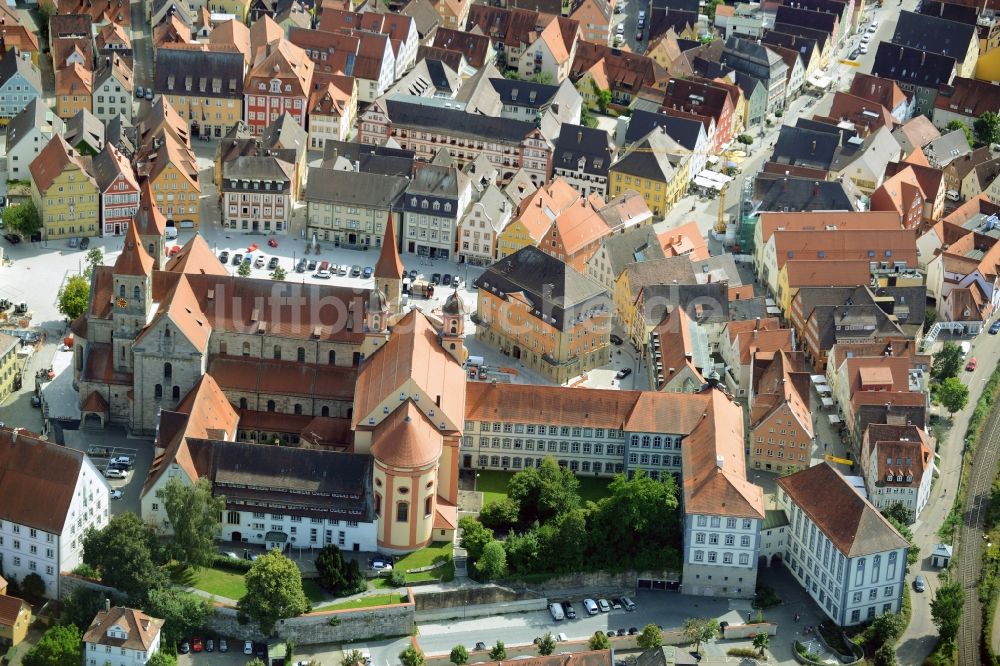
(720,223)
(835,459)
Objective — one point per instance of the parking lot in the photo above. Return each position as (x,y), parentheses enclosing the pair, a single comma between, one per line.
(321,654)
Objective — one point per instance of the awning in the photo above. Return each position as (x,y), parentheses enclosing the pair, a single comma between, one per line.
(711,179)
(819,81)
(823,388)
(817,379)
(276,537)
(834,419)
(827,402)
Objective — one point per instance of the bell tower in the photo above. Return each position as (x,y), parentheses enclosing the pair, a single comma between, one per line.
(453,331)
(376,322)
(133,297)
(389,269)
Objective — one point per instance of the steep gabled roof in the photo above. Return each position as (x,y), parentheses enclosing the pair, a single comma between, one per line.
(389,264)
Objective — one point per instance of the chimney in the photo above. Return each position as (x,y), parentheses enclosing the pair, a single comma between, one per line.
(579,136)
(923,57)
(107,605)
(720,462)
(813,146)
(756,326)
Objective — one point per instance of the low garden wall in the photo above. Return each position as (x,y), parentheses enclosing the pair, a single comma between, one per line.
(473,595)
(591,583)
(69,582)
(749,630)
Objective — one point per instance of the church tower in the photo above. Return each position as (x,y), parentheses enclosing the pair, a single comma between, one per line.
(133,297)
(376,322)
(152,226)
(389,269)
(453,331)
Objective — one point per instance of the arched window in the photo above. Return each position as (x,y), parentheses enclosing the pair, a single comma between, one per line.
(176,393)
(331,357)
(300,354)
(158,391)
(454,328)
(428,505)
(452,346)
(166,331)
(376,323)
(270,405)
(243,403)
(168,370)
(378,505)
(298,408)
(152,252)
(325,411)
(246,348)
(277,352)
(121,290)
(136,293)
(402,512)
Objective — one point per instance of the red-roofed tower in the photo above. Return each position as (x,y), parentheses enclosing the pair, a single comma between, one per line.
(389,270)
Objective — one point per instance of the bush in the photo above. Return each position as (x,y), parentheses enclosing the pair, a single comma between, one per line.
(233,564)
(749,653)
(398,578)
(766,597)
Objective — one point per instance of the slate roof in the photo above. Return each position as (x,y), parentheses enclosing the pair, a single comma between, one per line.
(549,285)
(850,521)
(34,114)
(371,159)
(12,63)
(369,190)
(524,93)
(916,67)
(776,193)
(684,131)
(208,72)
(577,142)
(418,112)
(934,34)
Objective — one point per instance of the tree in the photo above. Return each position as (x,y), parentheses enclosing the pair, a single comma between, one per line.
(637,522)
(124,553)
(162,658)
(59,646)
(74,297)
(542,77)
(745,139)
(278,274)
(95,258)
(459,655)
(700,629)
(760,642)
(946,610)
(886,628)
(493,562)
(274,591)
(339,576)
(244,269)
(498,652)
(353,658)
(23,219)
(599,641)
(587,118)
(411,656)
(256,662)
(886,656)
(500,514)
(987,128)
(952,394)
(958,124)
(898,512)
(181,611)
(474,537)
(194,516)
(913,553)
(650,637)
(33,587)
(546,644)
(544,491)
(522,552)
(559,541)
(81,606)
(947,362)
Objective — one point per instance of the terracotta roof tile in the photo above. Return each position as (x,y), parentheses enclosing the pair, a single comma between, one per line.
(407,438)
(283,377)
(195,257)
(389,264)
(141,629)
(134,260)
(10,609)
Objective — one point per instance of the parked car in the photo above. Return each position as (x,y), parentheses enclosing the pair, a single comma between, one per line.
(73,242)
(324,265)
(616,605)
(436,279)
(342,270)
(196,645)
(84,243)
(638,36)
(610,633)
(138,92)
(628,604)
(367,272)
(854,54)
(185,647)
(995,328)
(971,365)
(590,606)
(259,263)
(355,271)
(623,373)
(480,645)
(36,401)
(919,584)
(413,274)
(381,564)
(863,48)
(116,494)
(209,645)
(121,460)
(446,279)
(620,30)
(223,645)
(237,259)
(569,610)
(455,281)
(557,613)
(322,274)
(865,38)
(224,256)
(149,94)
(301,266)
(615,340)
(632,631)
(272,264)
(312,265)
(247,647)
(115,474)
(604,605)
(13,239)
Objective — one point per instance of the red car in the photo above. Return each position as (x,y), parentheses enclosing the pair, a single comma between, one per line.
(971,365)
(196,645)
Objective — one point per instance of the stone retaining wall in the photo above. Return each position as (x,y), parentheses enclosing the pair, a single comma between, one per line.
(479,610)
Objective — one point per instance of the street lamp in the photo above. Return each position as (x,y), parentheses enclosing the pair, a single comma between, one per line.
(475,482)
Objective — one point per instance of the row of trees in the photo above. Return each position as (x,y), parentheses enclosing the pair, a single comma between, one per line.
(548,528)
(947,389)
(984,132)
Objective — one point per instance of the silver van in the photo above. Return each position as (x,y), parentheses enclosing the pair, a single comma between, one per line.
(557,612)
(590,606)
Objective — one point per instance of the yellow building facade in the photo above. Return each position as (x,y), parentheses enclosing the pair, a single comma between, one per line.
(513,237)
(15,618)
(9,367)
(660,190)
(177,195)
(65,193)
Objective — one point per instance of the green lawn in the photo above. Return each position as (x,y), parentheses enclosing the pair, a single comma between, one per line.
(214,581)
(438,551)
(493,485)
(366,602)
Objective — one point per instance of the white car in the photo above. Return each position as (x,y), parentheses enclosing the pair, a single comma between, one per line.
(116,494)
(863,49)
(247,647)
(620,30)
(866,38)
(120,460)
(116,474)
(873,27)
